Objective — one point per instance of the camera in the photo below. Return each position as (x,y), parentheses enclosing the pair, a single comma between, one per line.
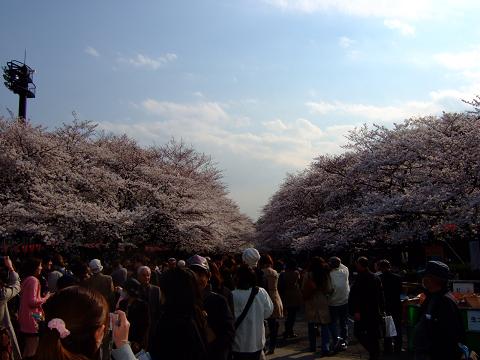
(113,321)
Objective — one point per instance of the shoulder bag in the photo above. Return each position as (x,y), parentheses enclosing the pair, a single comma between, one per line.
(242,316)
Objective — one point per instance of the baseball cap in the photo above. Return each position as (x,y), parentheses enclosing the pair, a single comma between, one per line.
(197,261)
(438,269)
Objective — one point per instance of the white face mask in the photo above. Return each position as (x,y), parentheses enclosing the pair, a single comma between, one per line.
(423,283)
(124,294)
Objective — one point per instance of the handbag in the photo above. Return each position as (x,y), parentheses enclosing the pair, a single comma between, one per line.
(242,316)
(389,326)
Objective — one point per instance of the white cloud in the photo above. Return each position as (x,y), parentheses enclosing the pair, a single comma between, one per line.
(462,60)
(345,42)
(404,28)
(92,51)
(348,45)
(144,61)
(276,125)
(405,9)
(462,93)
(411,10)
(271,147)
(201,111)
(372,112)
(211,128)
(437,101)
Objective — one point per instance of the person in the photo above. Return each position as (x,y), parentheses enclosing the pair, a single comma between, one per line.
(172,263)
(119,274)
(338,302)
(218,286)
(227,271)
(271,277)
(78,276)
(100,282)
(9,288)
(289,283)
(136,310)
(316,288)
(46,269)
(180,332)
(59,269)
(30,311)
(440,329)
(251,257)
(250,332)
(77,319)
(151,294)
(392,290)
(366,305)
(219,317)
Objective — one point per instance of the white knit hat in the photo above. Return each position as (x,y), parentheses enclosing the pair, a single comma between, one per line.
(96,266)
(250,257)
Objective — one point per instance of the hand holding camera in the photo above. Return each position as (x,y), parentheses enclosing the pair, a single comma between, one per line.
(120,328)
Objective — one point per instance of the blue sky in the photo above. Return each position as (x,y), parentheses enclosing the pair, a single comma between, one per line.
(263,86)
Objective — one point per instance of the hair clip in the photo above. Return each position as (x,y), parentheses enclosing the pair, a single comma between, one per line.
(59,325)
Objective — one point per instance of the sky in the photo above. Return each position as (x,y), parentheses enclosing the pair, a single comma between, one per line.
(263,86)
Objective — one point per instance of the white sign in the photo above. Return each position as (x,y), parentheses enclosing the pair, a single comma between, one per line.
(473,320)
(463,287)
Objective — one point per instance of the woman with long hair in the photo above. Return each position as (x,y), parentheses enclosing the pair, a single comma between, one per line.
(77,319)
(181,332)
(271,277)
(30,312)
(316,288)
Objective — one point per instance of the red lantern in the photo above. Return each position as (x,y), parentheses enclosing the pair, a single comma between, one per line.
(450,228)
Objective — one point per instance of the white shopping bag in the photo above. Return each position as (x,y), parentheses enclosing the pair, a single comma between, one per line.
(143,355)
(390,330)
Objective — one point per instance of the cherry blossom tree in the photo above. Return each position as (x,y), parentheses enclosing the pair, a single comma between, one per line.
(75,186)
(391,185)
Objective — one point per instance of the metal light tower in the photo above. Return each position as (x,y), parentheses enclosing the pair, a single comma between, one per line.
(18,79)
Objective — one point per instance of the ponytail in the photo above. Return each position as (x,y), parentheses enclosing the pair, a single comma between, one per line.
(51,348)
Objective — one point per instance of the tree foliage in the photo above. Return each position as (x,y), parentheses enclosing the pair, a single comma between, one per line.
(391,185)
(75,186)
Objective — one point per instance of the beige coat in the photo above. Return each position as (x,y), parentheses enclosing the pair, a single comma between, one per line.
(316,307)
(271,277)
(8,292)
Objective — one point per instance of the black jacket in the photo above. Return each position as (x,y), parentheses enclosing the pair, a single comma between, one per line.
(178,336)
(392,289)
(221,322)
(366,298)
(137,314)
(440,328)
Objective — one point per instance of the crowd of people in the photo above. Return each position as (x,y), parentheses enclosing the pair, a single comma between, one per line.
(202,308)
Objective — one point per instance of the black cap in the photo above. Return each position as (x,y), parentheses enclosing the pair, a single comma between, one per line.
(438,269)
